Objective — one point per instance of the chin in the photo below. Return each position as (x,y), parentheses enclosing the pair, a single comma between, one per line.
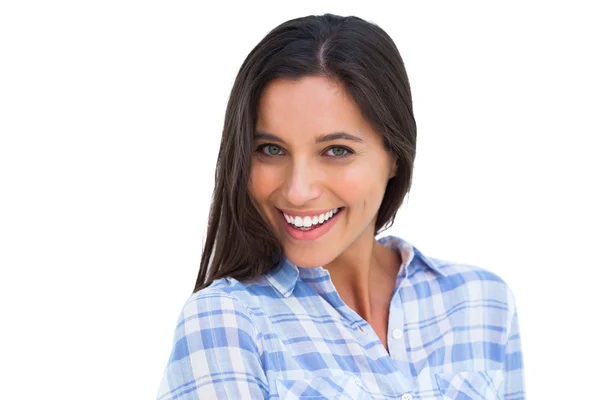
(307,259)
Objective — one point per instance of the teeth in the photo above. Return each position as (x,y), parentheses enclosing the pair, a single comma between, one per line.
(307,222)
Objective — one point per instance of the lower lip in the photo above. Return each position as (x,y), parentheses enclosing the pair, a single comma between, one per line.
(312,234)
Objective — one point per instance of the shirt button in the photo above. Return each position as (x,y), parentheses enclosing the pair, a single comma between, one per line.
(407,396)
(397,334)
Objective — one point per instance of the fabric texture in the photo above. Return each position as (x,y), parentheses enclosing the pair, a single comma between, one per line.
(453,333)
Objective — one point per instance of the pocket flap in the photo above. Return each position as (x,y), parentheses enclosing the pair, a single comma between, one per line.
(325,387)
(476,385)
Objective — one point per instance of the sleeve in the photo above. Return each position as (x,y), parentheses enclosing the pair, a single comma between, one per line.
(216,352)
(514,387)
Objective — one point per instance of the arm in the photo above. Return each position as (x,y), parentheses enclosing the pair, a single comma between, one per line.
(216,352)
(514,388)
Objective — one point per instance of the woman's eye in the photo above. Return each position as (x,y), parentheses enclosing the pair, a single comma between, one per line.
(338,152)
(271,150)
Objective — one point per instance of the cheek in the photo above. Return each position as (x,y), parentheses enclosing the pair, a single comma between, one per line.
(264,180)
(359,183)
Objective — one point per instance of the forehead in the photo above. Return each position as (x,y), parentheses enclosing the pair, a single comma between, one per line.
(311,105)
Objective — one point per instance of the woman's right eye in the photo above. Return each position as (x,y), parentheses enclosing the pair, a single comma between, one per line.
(271,149)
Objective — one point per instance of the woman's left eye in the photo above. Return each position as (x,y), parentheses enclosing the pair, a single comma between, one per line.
(338,152)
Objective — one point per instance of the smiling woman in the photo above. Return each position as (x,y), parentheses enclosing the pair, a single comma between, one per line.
(295,297)
(325,162)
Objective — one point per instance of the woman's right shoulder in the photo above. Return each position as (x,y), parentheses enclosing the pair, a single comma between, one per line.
(216,309)
(223,295)
(221,292)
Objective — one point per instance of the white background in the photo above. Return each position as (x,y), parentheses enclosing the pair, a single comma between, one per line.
(110,121)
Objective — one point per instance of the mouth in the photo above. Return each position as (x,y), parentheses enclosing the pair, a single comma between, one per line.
(309,227)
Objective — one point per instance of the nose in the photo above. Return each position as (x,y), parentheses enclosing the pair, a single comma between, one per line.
(302,184)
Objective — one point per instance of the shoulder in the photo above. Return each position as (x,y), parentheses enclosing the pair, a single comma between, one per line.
(217,348)
(473,281)
(217,310)
(449,281)
(222,295)
(219,293)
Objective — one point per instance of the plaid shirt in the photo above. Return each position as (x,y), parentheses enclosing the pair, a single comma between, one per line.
(453,334)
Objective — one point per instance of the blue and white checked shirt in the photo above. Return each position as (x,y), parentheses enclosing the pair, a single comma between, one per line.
(452,334)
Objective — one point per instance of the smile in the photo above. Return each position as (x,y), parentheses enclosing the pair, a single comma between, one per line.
(309,227)
(307,223)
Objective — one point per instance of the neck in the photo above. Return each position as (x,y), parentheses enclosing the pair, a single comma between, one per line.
(365,275)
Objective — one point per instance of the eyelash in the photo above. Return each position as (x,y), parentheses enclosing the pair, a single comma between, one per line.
(260,149)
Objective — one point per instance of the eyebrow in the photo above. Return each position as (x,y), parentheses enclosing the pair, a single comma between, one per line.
(323,138)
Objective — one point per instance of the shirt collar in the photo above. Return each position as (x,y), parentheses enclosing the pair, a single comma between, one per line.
(411,256)
(285,275)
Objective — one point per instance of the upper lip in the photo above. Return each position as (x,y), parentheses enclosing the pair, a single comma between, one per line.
(306,213)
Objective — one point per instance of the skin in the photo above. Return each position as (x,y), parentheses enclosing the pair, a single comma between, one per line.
(294,172)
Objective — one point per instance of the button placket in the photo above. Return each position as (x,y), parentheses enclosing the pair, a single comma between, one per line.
(396,343)
(397,340)
(400,379)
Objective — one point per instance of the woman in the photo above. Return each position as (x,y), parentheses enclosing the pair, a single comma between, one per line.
(295,297)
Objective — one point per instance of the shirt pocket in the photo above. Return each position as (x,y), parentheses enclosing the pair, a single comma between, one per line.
(326,387)
(472,385)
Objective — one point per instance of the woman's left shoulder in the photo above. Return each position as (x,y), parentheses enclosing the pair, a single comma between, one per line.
(474,280)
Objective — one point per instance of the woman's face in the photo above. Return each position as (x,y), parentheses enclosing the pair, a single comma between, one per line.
(319,171)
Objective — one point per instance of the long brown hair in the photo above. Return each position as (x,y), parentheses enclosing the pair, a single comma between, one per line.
(349,50)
